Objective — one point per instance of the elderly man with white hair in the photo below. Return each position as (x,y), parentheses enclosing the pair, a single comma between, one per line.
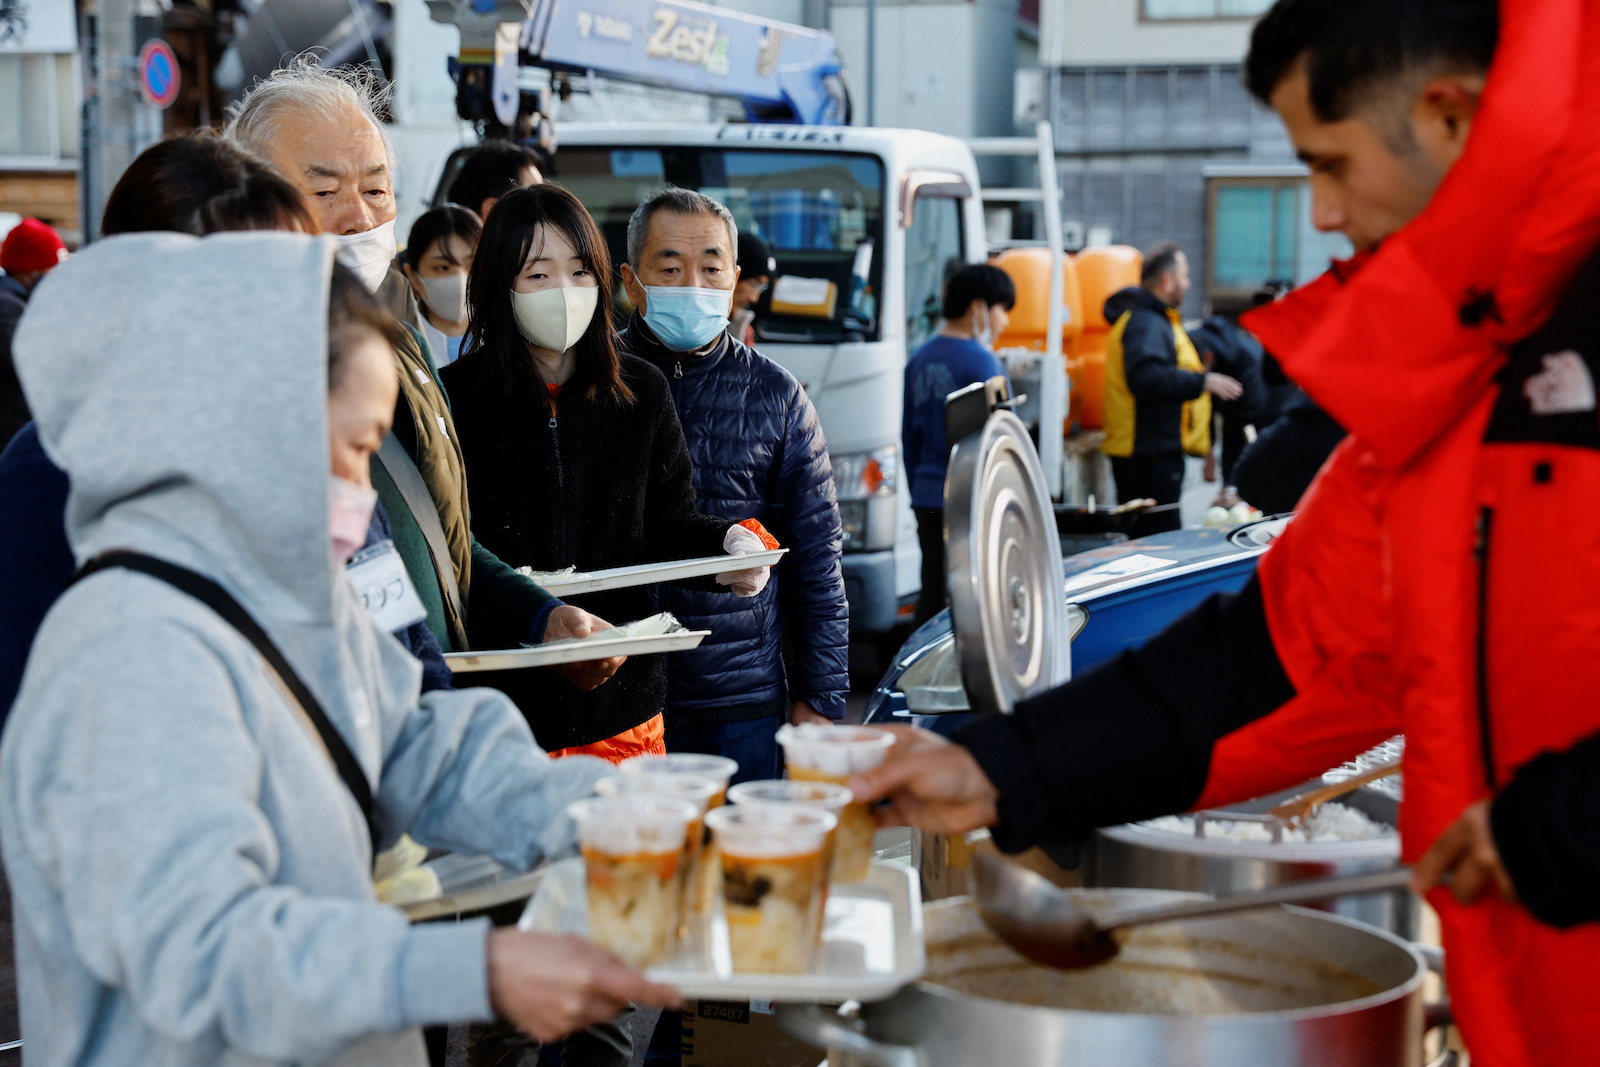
(320,128)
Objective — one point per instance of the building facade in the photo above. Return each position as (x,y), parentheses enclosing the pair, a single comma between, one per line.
(1156,138)
(39,120)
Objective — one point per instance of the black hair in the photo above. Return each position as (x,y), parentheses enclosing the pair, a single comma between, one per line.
(201,183)
(352,309)
(1351,45)
(435,225)
(1159,258)
(755,258)
(492,170)
(497,347)
(978,281)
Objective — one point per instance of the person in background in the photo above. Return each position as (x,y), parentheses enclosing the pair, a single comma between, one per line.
(1158,393)
(574,451)
(320,128)
(491,171)
(31,250)
(1228,348)
(758,450)
(978,299)
(438,257)
(577,460)
(181,836)
(189,183)
(757,268)
(1275,470)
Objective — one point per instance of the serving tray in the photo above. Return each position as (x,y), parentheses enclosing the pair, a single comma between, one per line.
(572,651)
(872,941)
(652,573)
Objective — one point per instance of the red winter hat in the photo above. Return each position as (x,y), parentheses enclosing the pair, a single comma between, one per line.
(31,245)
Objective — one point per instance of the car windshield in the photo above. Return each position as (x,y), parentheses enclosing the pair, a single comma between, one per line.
(821,213)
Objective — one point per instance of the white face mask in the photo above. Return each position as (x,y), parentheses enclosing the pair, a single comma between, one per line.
(446,296)
(984,334)
(369,254)
(554,319)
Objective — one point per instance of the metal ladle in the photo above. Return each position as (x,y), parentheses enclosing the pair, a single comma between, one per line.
(1045,923)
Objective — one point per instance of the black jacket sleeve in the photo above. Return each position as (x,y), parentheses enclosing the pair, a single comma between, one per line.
(506,609)
(1150,361)
(1131,739)
(1274,471)
(1546,825)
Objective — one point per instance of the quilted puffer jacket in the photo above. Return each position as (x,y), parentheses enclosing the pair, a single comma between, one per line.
(758,451)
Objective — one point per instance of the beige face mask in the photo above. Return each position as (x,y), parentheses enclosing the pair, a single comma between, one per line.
(554,319)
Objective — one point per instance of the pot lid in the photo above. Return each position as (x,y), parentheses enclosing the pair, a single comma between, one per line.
(1007,597)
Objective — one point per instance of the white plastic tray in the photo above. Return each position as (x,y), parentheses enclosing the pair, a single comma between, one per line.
(572,652)
(872,941)
(472,883)
(651,573)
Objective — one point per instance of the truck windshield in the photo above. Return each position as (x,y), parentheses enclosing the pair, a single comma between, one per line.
(820,212)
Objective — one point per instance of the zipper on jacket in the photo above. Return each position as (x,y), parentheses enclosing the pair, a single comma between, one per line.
(561,482)
(1481,552)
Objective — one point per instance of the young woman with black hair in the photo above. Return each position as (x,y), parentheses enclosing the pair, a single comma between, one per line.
(438,256)
(574,453)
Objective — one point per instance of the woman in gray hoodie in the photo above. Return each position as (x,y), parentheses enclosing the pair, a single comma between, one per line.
(191,875)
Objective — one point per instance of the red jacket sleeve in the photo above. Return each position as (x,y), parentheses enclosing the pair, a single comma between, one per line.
(1323,588)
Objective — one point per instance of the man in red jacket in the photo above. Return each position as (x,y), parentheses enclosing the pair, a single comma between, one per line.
(1443,576)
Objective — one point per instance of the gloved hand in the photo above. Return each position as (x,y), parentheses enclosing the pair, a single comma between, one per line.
(741,541)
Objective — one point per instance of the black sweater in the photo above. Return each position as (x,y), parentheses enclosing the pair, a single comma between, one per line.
(600,485)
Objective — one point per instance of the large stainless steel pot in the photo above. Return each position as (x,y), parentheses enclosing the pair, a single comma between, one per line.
(1135,856)
(1281,988)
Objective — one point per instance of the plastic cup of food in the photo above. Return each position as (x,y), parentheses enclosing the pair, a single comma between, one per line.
(719,769)
(705,881)
(813,752)
(698,791)
(774,883)
(831,798)
(633,856)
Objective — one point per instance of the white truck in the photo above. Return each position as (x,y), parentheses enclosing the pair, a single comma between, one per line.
(864,224)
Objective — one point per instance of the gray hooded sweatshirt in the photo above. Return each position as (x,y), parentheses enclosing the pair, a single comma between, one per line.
(191,879)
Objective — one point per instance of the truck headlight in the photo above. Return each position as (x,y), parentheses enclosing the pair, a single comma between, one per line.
(865,482)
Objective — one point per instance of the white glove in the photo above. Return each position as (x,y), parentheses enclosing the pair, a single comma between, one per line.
(742,542)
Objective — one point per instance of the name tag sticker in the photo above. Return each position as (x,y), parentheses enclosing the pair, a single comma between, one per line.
(380,578)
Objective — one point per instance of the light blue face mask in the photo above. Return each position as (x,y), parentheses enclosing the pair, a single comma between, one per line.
(686,318)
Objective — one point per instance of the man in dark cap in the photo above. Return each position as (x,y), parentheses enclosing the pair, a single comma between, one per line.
(757,268)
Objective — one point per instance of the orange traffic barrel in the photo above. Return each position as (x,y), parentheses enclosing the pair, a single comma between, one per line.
(1101,272)
(1029,269)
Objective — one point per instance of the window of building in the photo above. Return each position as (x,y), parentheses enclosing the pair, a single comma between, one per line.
(1260,231)
(934,251)
(1161,10)
(45,131)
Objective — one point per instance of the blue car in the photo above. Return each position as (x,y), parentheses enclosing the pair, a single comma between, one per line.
(1117,598)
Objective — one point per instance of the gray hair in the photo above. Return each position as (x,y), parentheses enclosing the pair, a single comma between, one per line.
(305,85)
(679,202)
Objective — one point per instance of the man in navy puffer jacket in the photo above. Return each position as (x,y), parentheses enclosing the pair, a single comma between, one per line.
(758,450)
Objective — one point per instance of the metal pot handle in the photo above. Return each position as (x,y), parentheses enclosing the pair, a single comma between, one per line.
(1438,1014)
(813,1025)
